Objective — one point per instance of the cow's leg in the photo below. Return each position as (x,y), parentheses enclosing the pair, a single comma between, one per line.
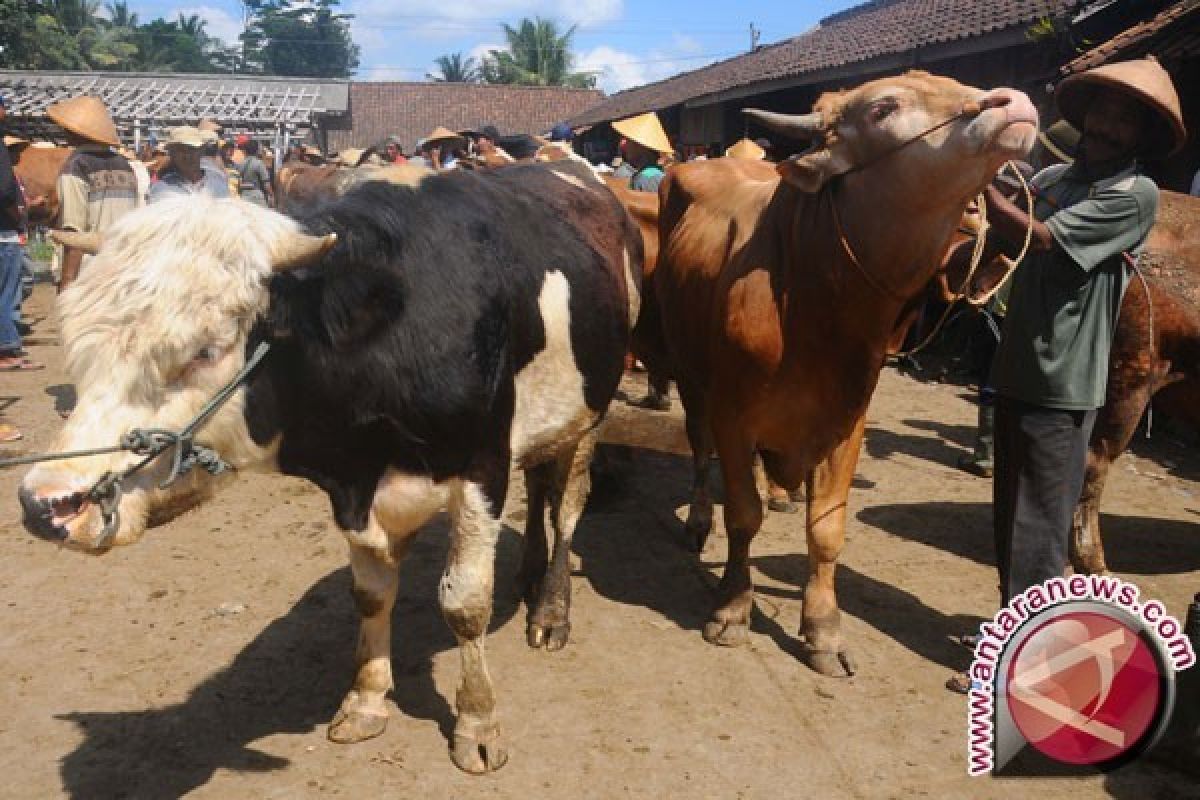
(700,510)
(538,482)
(730,623)
(1115,425)
(466,597)
(550,622)
(374,560)
(828,493)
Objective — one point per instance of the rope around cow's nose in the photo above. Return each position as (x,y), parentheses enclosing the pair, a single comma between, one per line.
(152,443)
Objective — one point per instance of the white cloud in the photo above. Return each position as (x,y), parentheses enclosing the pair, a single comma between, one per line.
(617,69)
(221,24)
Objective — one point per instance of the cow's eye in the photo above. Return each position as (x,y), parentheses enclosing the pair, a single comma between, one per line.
(206,355)
(882,109)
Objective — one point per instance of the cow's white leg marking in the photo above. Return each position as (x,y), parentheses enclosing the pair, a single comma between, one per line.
(402,504)
(550,622)
(466,598)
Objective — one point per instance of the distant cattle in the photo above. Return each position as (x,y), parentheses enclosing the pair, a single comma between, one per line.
(38,168)
(424,339)
(779,288)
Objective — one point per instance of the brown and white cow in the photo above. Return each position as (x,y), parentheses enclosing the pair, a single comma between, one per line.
(779,288)
(453,329)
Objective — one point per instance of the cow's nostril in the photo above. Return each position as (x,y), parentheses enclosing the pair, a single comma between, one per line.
(41,514)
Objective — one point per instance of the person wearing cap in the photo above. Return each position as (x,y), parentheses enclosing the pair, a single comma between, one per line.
(393,152)
(188,171)
(97,186)
(1051,367)
(645,143)
(254,181)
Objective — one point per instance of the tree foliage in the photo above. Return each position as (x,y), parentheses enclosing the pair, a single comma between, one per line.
(537,55)
(284,38)
(454,68)
(299,38)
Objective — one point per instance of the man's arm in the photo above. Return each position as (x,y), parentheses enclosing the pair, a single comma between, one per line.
(1011,224)
(72,193)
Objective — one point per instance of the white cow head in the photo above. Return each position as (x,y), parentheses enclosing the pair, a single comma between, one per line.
(156,323)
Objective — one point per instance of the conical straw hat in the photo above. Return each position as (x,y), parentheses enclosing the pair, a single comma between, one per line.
(746,150)
(85,116)
(646,130)
(1143,79)
(441,134)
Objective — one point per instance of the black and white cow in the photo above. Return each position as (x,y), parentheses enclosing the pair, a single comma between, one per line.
(423,340)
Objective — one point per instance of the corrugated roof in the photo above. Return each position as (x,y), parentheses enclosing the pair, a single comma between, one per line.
(411,110)
(159,100)
(871,30)
(1174,33)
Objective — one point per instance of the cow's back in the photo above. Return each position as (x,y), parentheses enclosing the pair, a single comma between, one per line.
(407,343)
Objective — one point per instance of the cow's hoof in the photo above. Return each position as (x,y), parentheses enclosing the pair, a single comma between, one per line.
(552,637)
(781,506)
(477,747)
(727,632)
(831,664)
(348,727)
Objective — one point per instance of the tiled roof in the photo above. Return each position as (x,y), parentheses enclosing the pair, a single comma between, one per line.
(411,110)
(1174,33)
(874,29)
(159,100)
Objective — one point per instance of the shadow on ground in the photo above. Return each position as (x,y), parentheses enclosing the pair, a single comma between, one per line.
(289,679)
(1137,545)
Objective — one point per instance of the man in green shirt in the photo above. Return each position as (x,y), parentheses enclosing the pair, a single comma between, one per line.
(1051,367)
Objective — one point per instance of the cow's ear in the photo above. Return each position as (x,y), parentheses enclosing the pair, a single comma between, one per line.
(809,171)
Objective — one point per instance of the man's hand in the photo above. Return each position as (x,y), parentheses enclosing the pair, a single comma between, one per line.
(1011,224)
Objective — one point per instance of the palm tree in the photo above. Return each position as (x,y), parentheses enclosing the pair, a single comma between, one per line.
(537,55)
(455,69)
(119,15)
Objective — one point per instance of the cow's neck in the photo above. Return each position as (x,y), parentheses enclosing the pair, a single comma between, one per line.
(896,238)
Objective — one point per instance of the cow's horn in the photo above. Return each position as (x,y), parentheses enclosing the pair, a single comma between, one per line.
(87,242)
(300,249)
(795,126)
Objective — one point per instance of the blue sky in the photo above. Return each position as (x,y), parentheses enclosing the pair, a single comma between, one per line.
(626,43)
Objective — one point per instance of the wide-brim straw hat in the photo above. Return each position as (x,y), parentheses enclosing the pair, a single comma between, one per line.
(1060,139)
(1145,80)
(646,130)
(746,150)
(187,136)
(85,116)
(441,134)
(350,156)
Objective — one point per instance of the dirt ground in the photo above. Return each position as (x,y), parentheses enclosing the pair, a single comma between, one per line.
(206,660)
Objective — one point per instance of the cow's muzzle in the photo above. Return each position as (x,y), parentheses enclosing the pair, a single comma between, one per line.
(43,514)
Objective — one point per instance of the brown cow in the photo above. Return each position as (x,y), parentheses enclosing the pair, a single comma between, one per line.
(777,326)
(1139,367)
(299,185)
(38,169)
